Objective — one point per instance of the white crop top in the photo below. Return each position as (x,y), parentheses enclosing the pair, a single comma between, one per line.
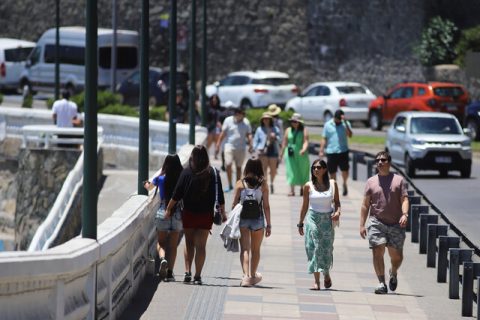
(320,201)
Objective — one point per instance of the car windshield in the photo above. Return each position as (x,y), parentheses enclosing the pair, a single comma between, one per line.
(351,89)
(272,81)
(448,91)
(434,126)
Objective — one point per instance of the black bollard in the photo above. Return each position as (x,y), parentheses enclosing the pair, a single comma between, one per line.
(355,166)
(425,220)
(470,271)
(445,243)
(434,231)
(415,211)
(411,201)
(457,257)
(370,166)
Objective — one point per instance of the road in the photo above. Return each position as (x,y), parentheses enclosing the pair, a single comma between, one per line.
(457,198)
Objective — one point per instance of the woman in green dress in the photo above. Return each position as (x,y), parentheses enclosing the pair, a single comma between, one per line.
(295,152)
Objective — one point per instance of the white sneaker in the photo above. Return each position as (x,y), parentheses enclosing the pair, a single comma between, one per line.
(162,270)
(381,288)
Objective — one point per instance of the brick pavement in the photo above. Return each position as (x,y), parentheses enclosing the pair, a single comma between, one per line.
(284,292)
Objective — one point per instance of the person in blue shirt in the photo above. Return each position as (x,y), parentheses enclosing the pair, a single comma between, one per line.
(334,145)
(168,228)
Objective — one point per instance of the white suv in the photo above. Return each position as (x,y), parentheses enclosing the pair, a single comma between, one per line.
(249,89)
(13,53)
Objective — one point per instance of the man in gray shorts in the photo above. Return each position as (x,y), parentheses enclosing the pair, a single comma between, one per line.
(386,199)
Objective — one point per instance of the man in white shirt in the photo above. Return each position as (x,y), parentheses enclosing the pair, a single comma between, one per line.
(65,112)
(238,131)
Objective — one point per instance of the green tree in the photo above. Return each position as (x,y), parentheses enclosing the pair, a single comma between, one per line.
(437,45)
(469,41)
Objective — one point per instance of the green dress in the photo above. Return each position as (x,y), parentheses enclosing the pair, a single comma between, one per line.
(297,166)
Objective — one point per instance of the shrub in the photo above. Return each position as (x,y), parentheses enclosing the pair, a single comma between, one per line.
(120,110)
(1,98)
(254,115)
(27,101)
(158,113)
(104,99)
(469,41)
(437,43)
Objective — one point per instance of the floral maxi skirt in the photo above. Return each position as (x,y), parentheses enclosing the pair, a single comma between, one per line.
(319,236)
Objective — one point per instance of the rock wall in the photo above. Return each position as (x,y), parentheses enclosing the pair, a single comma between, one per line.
(365,41)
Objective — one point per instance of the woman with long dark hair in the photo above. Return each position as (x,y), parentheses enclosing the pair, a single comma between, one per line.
(168,229)
(320,210)
(196,187)
(214,121)
(254,188)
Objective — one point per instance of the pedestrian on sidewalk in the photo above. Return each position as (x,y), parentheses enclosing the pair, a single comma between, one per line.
(214,121)
(196,187)
(168,229)
(266,145)
(319,213)
(294,150)
(385,203)
(252,192)
(334,145)
(274,111)
(238,132)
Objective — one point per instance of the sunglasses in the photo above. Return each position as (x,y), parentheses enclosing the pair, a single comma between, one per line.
(318,167)
(381,160)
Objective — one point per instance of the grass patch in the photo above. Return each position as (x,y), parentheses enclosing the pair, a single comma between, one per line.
(355,139)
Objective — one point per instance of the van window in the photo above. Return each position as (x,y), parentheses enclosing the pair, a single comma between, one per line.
(35,56)
(17,54)
(127,57)
(68,54)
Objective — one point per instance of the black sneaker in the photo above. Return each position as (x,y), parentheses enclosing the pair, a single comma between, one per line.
(170,276)
(187,277)
(197,280)
(345,190)
(381,288)
(392,284)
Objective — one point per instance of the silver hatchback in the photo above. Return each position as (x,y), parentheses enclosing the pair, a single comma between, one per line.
(429,141)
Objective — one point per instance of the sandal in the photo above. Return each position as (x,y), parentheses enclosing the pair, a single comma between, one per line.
(315,287)
(291,194)
(327,282)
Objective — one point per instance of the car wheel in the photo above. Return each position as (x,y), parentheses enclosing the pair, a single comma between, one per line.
(474,127)
(245,104)
(327,116)
(152,101)
(375,120)
(466,171)
(409,167)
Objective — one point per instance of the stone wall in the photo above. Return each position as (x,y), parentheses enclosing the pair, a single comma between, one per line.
(41,174)
(365,41)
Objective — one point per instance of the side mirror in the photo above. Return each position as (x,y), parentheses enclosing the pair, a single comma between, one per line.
(28,63)
(468,132)
(400,129)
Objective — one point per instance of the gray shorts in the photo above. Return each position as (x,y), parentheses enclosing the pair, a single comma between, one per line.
(174,223)
(253,224)
(380,233)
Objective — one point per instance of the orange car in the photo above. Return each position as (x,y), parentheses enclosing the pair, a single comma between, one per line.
(418,96)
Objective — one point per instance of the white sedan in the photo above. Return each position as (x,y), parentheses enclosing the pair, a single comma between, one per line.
(320,100)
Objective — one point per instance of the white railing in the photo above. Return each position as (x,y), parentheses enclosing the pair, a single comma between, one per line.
(49,134)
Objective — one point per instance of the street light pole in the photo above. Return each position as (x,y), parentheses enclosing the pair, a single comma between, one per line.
(172,126)
(193,46)
(204,64)
(57,49)
(113,64)
(143,124)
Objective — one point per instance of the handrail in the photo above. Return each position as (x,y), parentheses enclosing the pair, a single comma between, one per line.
(49,133)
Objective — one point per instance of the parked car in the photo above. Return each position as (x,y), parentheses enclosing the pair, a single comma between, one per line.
(418,96)
(320,100)
(129,89)
(472,120)
(429,141)
(255,89)
(13,54)
(40,68)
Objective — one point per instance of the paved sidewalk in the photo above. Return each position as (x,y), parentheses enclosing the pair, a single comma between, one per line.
(284,292)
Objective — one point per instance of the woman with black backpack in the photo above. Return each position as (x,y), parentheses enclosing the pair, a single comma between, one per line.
(252,193)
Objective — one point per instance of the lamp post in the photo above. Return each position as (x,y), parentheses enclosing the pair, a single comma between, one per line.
(193,45)
(143,124)
(204,64)
(113,65)
(172,126)
(57,49)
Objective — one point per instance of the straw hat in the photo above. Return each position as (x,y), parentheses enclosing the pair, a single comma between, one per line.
(296,117)
(274,110)
(266,115)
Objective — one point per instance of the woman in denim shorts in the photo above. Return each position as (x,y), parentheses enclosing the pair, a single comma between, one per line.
(168,229)
(252,187)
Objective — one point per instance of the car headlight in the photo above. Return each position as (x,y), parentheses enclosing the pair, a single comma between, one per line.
(418,141)
(466,143)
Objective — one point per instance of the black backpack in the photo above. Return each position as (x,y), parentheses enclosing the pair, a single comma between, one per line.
(251,209)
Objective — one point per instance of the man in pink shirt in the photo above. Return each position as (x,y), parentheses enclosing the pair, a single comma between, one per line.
(386,199)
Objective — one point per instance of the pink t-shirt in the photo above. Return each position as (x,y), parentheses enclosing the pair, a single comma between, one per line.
(386,194)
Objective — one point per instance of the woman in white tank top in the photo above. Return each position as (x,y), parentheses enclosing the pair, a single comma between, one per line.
(322,203)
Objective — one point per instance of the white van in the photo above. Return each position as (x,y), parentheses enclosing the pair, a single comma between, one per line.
(40,72)
(13,53)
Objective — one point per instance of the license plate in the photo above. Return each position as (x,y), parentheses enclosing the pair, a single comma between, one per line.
(443,159)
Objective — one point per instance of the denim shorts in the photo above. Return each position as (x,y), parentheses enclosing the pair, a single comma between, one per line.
(253,224)
(174,223)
